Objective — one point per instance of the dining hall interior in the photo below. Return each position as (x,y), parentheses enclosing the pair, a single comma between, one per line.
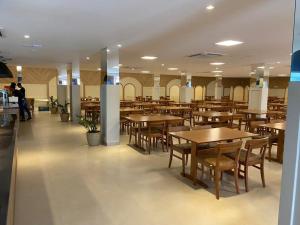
(149,112)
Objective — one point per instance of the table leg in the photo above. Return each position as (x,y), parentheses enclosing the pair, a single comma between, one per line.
(139,135)
(280,146)
(193,169)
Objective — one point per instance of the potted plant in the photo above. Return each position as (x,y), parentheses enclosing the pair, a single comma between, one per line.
(53,104)
(64,113)
(92,134)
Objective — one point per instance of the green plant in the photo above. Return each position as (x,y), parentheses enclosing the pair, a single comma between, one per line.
(53,102)
(90,125)
(63,108)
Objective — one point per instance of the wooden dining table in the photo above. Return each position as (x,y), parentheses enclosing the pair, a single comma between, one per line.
(167,109)
(140,119)
(280,127)
(207,136)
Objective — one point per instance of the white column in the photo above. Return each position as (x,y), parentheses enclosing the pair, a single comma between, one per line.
(289,211)
(62,84)
(75,90)
(156,87)
(290,184)
(258,95)
(19,74)
(110,96)
(218,88)
(186,89)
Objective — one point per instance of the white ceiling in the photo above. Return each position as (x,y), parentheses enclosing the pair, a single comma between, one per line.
(170,30)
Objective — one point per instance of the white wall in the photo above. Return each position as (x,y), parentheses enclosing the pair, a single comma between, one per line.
(129,92)
(53,87)
(147,91)
(199,93)
(238,93)
(134,82)
(37,91)
(210,89)
(174,93)
(176,82)
(92,90)
(276,92)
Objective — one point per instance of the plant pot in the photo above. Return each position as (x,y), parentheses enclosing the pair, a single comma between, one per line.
(93,139)
(64,117)
(54,110)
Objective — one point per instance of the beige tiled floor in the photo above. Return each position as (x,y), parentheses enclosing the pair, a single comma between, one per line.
(61,181)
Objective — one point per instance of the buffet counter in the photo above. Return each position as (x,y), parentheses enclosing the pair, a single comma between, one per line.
(9,125)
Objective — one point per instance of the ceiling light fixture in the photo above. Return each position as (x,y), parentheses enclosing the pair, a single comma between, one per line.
(217,71)
(119,45)
(147,57)
(218,75)
(27,36)
(278,62)
(210,7)
(260,67)
(162,64)
(217,63)
(172,68)
(145,71)
(99,69)
(107,50)
(19,68)
(271,67)
(87,58)
(229,43)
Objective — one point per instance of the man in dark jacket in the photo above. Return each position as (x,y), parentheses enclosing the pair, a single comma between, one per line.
(23,103)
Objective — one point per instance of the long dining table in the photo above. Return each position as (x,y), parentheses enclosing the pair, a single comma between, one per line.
(207,136)
(140,119)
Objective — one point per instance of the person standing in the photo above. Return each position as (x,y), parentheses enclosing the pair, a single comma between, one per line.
(23,103)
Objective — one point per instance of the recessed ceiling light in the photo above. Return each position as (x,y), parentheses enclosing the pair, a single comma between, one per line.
(217,71)
(252,73)
(99,69)
(278,62)
(271,67)
(210,7)
(147,57)
(260,67)
(217,63)
(27,36)
(229,43)
(120,65)
(107,50)
(19,68)
(119,45)
(87,58)
(145,71)
(162,64)
(172,68)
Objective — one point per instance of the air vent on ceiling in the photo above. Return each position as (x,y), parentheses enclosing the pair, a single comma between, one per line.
(33,46)
(206,55)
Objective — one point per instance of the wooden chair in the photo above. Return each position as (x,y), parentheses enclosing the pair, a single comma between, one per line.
(248,158)
(238,118)
(155,131)
(215,159)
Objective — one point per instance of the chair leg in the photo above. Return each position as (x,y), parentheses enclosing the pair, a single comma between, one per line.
(246,176)
(236,180)
(183,164)
(270,151)
(262,173)
(130,135)
(217,183)
(162,144)
(186,159)
(171,157)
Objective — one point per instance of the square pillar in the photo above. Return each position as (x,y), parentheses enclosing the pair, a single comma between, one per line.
(186,89)
(110,96)
(258,95)
(62,84)
(75,107)
(218,88)
(156,87)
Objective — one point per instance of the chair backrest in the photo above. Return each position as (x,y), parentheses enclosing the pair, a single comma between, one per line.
(231,147)
(260,144)
(201,127)
(254,125)
(154,125)
(175,123)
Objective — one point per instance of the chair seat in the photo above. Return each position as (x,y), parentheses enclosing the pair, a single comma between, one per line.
(187,147)
(252,158)
(225,163)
